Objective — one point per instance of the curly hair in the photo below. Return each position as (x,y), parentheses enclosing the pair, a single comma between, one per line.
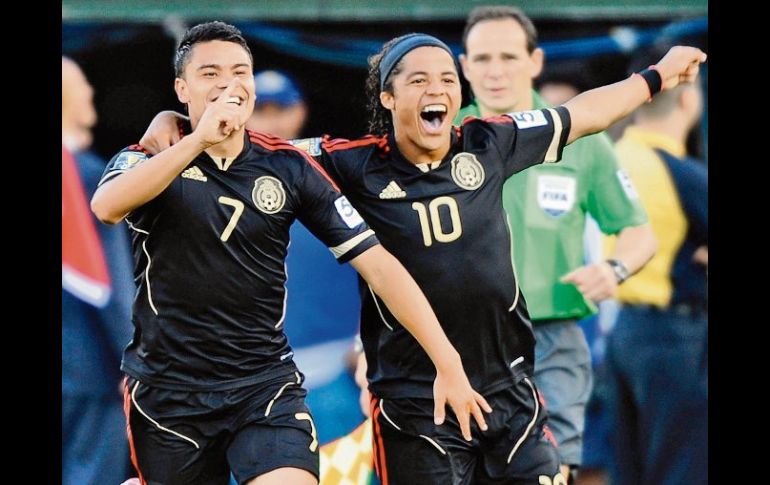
(380,121)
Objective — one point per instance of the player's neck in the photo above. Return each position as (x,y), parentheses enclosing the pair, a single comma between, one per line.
(231,147)
(419,154)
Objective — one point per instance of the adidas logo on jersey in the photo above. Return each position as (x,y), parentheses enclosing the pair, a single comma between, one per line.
(392,191)
(194,173)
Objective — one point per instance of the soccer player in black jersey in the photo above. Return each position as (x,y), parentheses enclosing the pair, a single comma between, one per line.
(212,387)
(432,192)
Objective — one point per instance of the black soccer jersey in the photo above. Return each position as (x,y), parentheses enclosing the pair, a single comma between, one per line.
(447,226)
(210,271)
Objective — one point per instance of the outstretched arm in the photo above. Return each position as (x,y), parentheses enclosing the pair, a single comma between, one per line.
(595,110)
(390,280)
(119,196)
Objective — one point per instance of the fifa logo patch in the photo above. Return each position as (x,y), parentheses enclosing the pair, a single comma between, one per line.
(268,194)
(467,172)
(556,194)
(311,146)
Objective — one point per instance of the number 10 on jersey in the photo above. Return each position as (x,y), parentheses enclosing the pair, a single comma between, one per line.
(430,220)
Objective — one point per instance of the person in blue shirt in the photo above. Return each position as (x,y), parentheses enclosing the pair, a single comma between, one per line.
(94,446)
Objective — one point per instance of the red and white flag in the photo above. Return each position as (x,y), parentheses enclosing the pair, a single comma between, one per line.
(83,268)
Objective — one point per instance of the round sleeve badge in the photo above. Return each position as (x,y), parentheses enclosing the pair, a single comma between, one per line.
(268,194)
(467,172)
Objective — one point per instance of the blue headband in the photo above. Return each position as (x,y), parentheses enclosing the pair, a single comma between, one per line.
(401,48)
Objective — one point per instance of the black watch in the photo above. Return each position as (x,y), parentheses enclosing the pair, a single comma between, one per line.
(620,270)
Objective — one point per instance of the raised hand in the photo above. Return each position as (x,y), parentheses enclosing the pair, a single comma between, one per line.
(680,65)
(223,117)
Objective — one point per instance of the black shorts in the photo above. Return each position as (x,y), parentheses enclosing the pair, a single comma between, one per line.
(517,448)
(180,437)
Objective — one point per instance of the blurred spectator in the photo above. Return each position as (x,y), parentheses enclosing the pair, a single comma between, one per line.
(563,80)
(94,444)
(279,109)
(557,93)
(657,357)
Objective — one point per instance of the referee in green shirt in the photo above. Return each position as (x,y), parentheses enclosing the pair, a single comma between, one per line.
(547,206)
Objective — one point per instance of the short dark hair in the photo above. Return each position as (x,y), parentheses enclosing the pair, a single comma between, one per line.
(380,121)
(206,32)
(501,12)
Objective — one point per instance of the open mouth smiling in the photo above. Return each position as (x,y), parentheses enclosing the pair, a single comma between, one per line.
(433,116)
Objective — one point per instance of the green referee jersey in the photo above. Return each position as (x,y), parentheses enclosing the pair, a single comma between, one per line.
(547,206)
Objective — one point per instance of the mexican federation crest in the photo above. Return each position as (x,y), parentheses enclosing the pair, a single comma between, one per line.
(467,172)
(268,194)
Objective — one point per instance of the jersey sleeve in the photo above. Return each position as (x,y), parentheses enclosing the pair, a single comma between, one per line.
(534,137)
(329,215)
(125,160)
(612,199)
(325,151)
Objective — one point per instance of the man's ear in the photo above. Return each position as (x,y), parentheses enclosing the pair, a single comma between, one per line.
(464,64)
(538,59)
(182,93)
(387,100)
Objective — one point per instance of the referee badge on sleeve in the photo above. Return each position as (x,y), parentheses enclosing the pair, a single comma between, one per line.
(528,119)
(628,186)
(347,212)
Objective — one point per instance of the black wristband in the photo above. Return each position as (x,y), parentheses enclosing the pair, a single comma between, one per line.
(652,77)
